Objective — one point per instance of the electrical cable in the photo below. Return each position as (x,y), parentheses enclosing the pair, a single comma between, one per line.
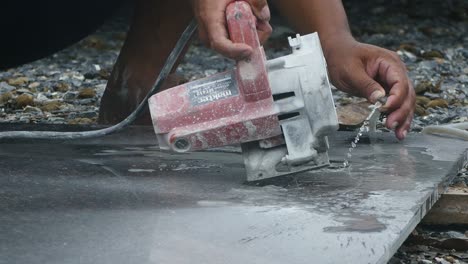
(168,66)
(454,130)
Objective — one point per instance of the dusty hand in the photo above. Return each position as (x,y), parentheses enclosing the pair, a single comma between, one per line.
(372,72)
(211,17)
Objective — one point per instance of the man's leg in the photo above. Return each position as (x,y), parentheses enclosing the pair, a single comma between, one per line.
(155,29)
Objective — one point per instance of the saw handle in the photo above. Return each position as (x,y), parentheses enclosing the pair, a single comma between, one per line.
(251,74)
(242,24)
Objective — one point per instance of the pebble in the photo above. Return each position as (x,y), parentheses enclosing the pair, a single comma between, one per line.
(432,54)
(88,114)
(34,85)
(437,103)
(41,98)
(407,55)
(86,101)
(69,96)
(423,87)
(5,97)
(78,76)
(427,86)
(432,96)
(76,83)
(95,42)
(422,101)
(410,48)
(61,87)
(56,120)
(24,100)
(81,121)
(5,87)
(441,261)
(104,74)
(24,119)
(51,106)
(23,91)
(18,81)
(31,109)
(91,75)
(451,259)
(425,261)
(420,111)
(86,93)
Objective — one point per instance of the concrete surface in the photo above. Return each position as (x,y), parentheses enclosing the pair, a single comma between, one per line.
(120,200)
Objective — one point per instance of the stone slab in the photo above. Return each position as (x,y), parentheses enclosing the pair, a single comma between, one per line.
(119,199)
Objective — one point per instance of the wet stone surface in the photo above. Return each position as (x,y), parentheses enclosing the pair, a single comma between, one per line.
(120,199)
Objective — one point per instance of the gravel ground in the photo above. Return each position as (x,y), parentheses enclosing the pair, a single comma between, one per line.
(431,37)
(431,245)
(67,87)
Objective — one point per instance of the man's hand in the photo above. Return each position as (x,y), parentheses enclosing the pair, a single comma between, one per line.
(372,72)
(212,28)
(360,69)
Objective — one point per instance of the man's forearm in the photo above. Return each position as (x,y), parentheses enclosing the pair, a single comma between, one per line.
(327,17)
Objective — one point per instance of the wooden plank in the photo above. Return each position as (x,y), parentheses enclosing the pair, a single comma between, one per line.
(451,209)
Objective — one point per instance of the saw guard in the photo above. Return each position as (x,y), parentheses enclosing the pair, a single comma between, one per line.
(306,112)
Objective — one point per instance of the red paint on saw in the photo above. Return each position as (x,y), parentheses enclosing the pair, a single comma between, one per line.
(225,109)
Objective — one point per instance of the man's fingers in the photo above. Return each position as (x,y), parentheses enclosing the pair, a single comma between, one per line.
(402,131)
(219,40)
(264,30)
(400,122)
(400,119)
(260,9)
(211,16)
(370,89)
(262,12)
(236,51)
(396,81)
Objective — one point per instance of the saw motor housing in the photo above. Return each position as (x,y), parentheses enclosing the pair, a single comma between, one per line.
(279,111)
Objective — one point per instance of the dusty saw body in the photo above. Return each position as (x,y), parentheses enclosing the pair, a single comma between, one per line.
(280,111)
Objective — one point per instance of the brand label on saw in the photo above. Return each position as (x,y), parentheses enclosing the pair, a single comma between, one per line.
(216,88)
